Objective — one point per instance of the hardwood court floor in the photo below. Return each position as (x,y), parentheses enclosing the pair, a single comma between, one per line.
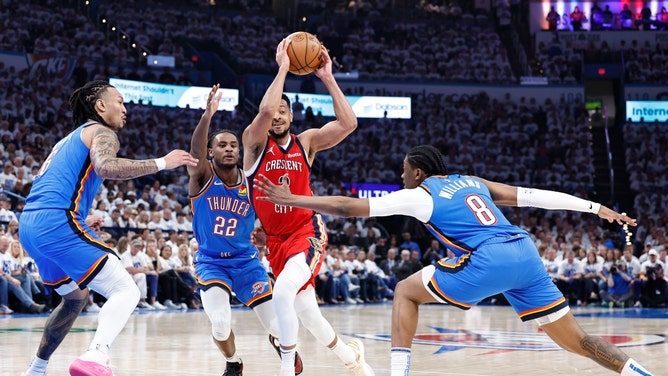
(487,340)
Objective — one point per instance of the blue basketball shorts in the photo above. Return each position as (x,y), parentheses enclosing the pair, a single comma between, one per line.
(245,275)
(507,265)
(64,248)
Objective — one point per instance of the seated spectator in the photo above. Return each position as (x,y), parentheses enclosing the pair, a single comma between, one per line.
(654,291)
(14,285)
(325,284)
(618,292)
(592,268)
(550,261)
(409,244)
(25,270)
(4,296)
(172,290)
(405,266)
(140,267)
(382,292)
(344,284)
(432,254)
(387,266)
(649,270)
(569,278)
(7,215)
(183,262)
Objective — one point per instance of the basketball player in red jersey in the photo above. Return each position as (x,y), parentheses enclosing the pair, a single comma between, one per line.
(296,237)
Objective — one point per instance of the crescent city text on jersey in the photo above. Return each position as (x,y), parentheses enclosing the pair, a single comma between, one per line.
(451,188)
(230,204)
(282,164)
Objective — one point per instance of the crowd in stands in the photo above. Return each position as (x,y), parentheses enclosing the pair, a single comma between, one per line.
(620,17)
(562,61)
(148,222)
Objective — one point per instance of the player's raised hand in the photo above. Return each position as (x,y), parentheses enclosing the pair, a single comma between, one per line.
(177,158)
(326,64)
(213,100)
(279,194)
(282,58)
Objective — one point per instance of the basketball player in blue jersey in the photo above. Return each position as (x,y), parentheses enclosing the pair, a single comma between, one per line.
(55,231)
(223,221)
(461,211)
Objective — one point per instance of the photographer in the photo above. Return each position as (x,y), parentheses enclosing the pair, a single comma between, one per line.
(619,291)
(648,271)
(654,293)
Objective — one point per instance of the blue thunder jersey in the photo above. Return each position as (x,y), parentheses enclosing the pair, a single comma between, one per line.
(66,179)
(463,228)
(221,213)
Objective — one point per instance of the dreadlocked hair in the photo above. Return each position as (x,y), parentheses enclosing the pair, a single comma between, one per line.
(82,102)
(428,159)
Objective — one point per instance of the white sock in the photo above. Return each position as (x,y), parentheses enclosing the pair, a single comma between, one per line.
(37,367)
(633,368)
(103,349)
(288,359)
(400,361)
(234,359)
(344,352)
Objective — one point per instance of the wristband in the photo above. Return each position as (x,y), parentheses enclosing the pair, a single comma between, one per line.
(161,163)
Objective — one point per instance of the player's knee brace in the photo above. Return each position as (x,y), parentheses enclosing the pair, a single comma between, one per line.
(217,308)
(221,325)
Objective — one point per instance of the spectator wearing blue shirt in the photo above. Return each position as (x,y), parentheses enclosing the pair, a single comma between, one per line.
(409,244)
(619,291)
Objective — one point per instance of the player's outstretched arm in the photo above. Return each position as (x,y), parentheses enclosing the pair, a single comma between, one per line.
(335,131)
(199,141)
(255,134)
(509,195)
(336,205)
(105,146)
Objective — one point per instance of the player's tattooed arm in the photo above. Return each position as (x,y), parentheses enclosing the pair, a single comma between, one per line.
(107,165)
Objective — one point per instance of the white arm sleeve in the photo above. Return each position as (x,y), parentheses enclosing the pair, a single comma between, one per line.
(539,198)
(416,203)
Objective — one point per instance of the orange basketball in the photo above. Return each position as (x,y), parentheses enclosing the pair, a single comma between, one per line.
(304,53)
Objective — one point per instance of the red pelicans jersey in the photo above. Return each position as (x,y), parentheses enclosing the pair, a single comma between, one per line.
(274,163)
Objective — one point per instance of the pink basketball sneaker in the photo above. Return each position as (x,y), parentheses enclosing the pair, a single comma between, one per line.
(92,363)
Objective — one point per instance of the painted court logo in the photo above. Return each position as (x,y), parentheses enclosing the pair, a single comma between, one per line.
(446,340)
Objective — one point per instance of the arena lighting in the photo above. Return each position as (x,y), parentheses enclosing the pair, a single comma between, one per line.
(113,28)
(161,61)
(104,20)
(601,71)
